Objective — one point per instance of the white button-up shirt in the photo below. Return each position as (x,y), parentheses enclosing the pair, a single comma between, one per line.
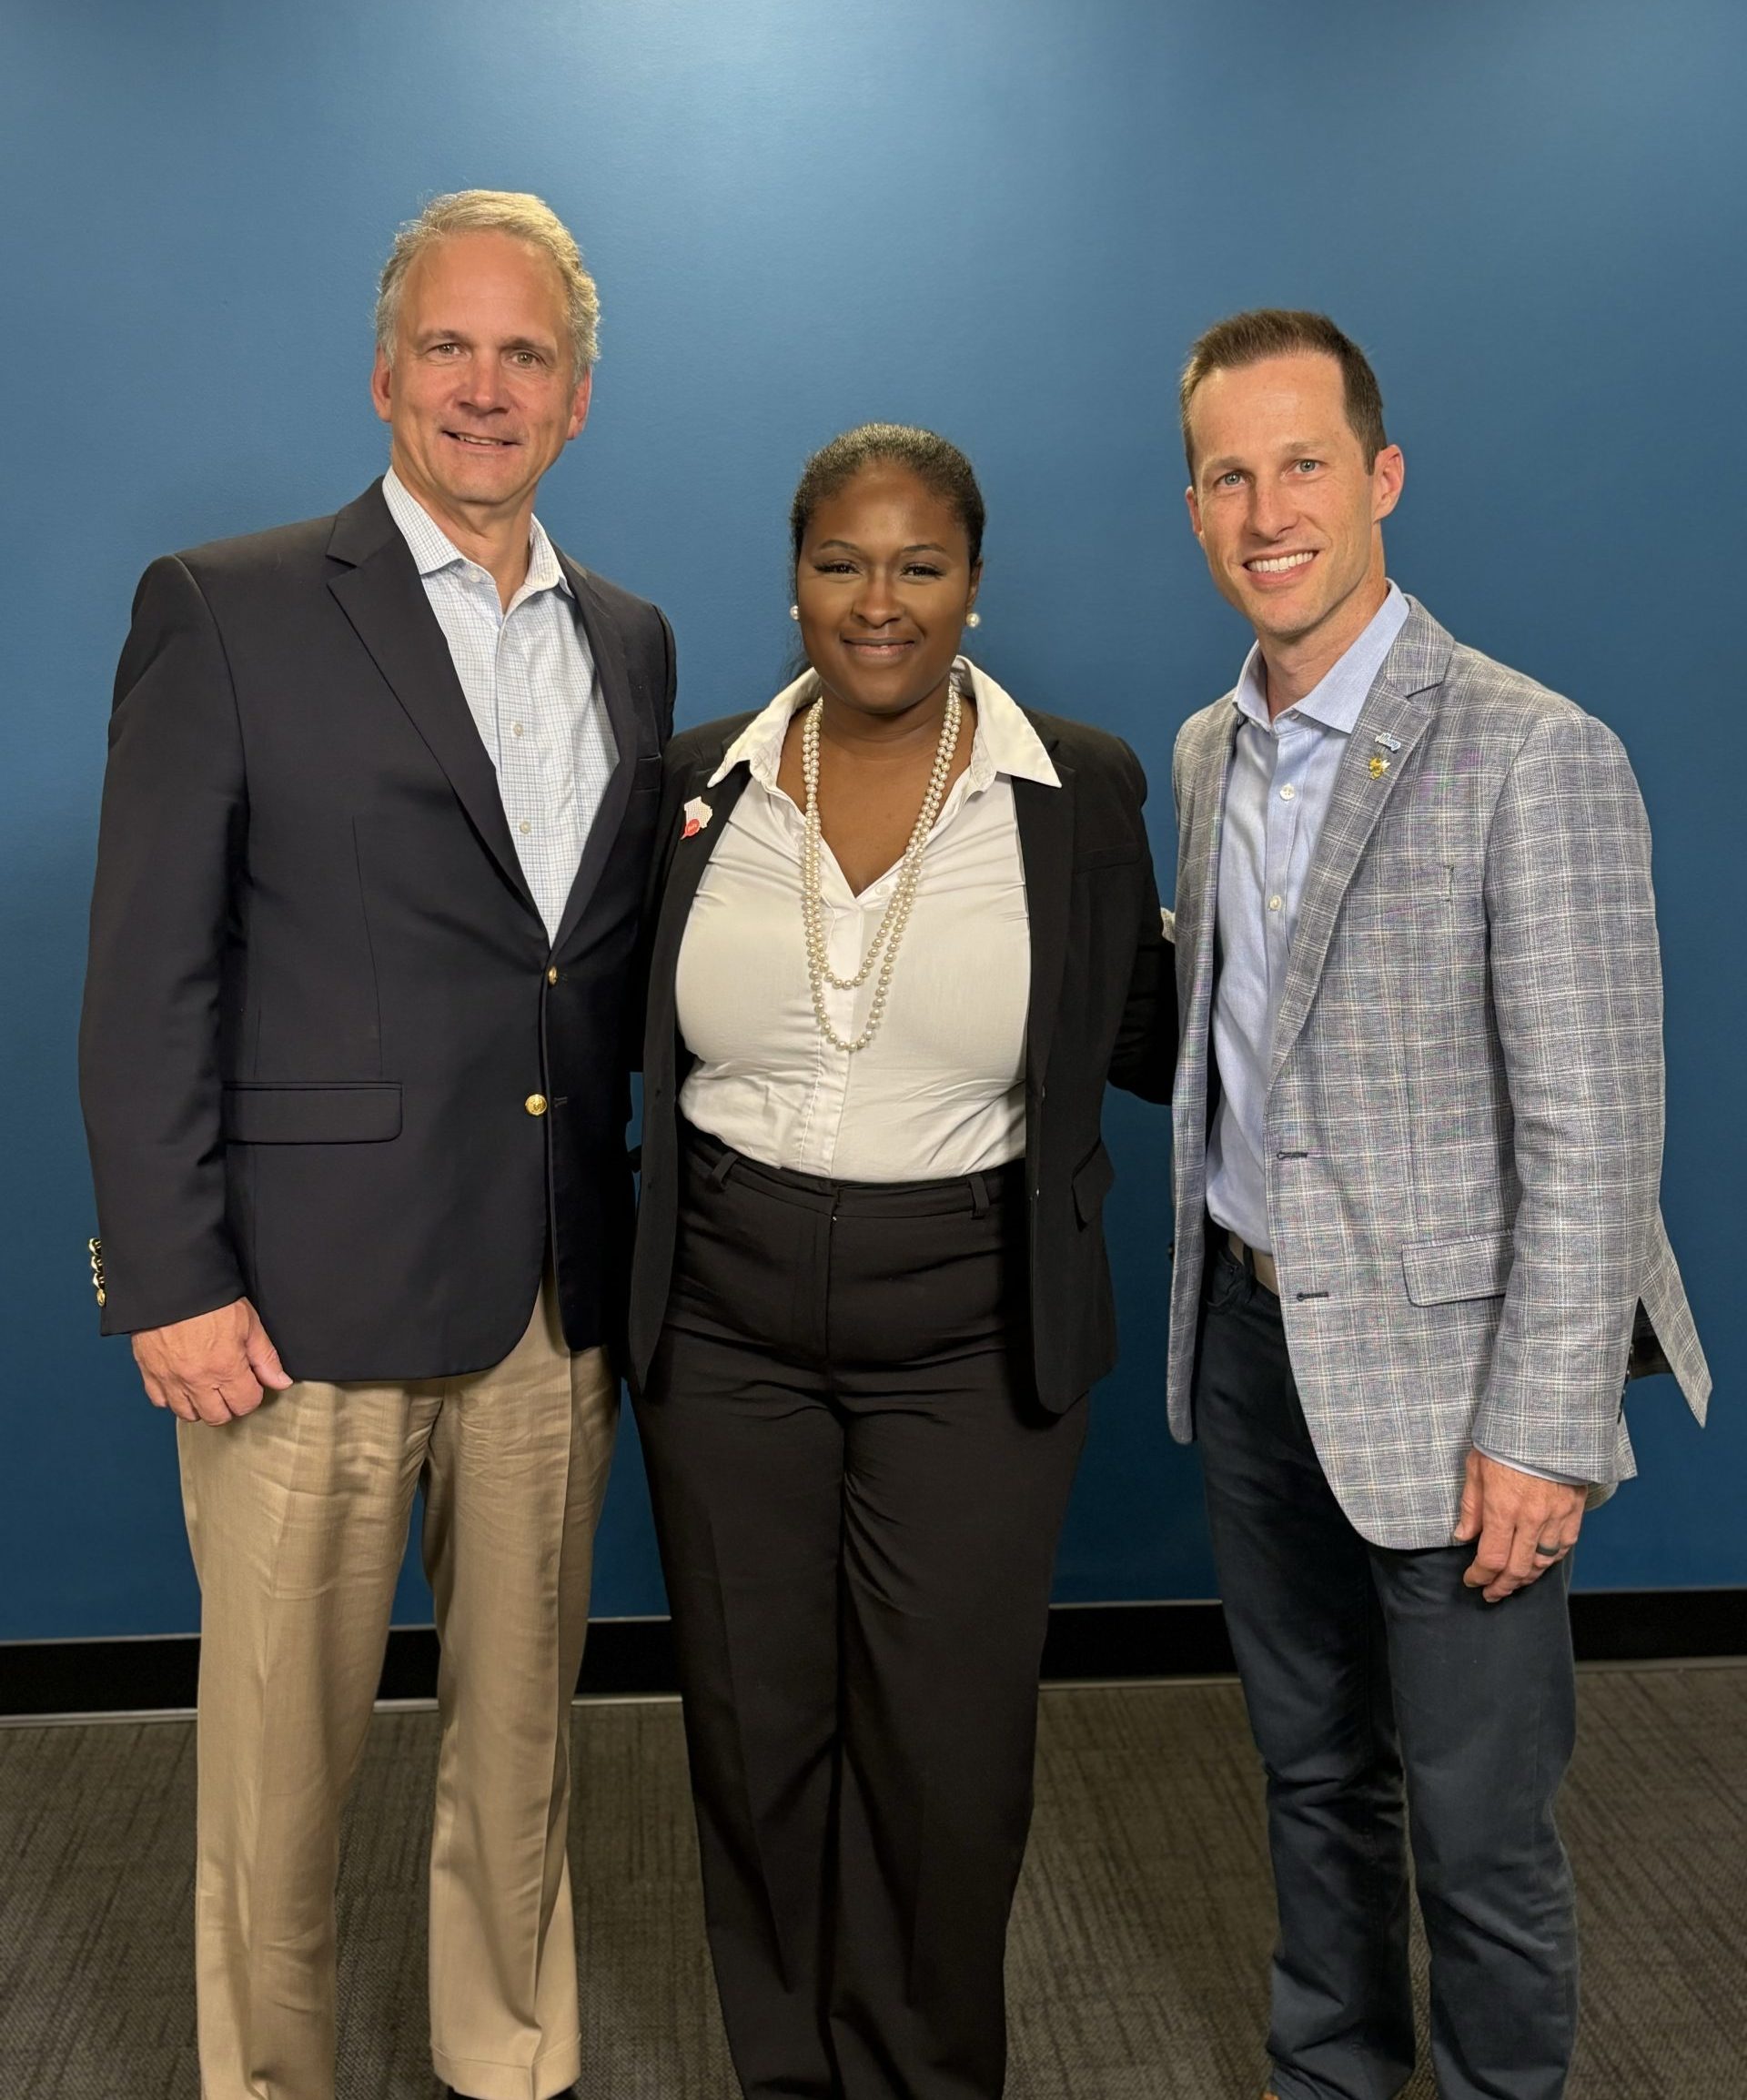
(940,1091)
(530,686)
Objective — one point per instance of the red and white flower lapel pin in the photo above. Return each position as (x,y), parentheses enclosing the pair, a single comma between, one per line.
(698,814)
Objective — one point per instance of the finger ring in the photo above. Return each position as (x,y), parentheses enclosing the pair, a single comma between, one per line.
(1548,1552)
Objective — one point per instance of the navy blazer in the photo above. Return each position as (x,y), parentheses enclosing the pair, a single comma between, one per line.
(1103,1006)
(330,1058)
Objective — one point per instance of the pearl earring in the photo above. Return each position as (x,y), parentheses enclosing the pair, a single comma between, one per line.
(973,619)
(794,612)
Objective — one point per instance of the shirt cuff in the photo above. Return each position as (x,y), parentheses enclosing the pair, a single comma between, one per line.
(1534,1472)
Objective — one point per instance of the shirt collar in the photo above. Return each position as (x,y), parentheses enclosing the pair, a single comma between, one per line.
(1336,699)
(432,548)
(1004,743)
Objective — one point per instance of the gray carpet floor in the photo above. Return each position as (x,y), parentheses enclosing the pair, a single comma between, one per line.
(1139,1944)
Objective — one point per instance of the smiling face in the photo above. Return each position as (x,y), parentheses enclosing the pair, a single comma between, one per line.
(884,583)
(1287,512)
(480,397)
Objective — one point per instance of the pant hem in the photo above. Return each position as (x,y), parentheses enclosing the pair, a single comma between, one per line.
(1291,2085)
(552,2073)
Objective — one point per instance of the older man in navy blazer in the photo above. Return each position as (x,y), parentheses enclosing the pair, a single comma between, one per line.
(380,800)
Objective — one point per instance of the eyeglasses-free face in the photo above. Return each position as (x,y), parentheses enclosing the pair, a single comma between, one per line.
(480,398)
(883,586)
(1287,512)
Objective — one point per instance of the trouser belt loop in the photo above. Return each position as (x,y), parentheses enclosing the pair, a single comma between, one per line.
(979,1195)
(724,1166)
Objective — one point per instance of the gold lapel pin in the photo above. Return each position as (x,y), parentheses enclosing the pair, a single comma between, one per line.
(1380,766)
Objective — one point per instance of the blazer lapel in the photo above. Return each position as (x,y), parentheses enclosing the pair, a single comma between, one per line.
(1399,707)
(608,652)
(1205,805)
(1202,767)
(680,867)
(1045,819)
(380,593)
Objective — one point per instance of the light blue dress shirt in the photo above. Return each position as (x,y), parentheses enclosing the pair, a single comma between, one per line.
(1276,795)
(532,690)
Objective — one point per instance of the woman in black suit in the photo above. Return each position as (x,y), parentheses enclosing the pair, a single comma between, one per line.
(903,932)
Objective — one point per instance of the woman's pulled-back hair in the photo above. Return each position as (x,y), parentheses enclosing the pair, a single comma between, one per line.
(937,465)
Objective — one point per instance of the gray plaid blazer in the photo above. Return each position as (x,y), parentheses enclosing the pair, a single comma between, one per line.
(1464,1114)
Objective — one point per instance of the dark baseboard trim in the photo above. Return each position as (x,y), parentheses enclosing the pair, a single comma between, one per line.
(634,1658)
(1189,1640)
(625,1658)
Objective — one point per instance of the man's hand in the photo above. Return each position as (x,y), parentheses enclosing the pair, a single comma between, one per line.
(1525,1525)
(210,1369)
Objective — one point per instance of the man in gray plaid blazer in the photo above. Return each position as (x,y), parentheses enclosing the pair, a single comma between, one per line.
(1418,1145)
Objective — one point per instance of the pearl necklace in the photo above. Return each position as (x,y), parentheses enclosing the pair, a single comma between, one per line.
(883,947)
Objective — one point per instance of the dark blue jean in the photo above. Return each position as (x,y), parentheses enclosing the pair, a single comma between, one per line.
(1393,1708)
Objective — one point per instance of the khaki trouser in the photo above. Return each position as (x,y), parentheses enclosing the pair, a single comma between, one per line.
(297,1517)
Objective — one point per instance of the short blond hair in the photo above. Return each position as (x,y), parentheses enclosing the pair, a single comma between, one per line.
(511,211)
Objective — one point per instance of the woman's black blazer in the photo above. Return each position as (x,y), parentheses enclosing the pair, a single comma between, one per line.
(1103,1007)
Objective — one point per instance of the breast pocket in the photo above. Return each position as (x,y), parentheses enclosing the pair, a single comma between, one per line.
(1421,894)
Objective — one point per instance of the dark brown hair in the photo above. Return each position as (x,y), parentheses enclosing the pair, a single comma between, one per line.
(937,465)
(1281,331)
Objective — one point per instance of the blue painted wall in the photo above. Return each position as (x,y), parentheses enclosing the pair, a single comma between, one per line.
(1002,217)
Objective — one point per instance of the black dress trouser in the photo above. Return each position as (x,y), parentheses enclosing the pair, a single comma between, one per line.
(858,1502)
(1377,1683)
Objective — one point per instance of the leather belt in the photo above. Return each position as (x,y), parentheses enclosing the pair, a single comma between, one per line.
(1259,1264)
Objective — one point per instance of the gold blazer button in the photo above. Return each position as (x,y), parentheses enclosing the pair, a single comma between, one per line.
(552,975)
(535,1105)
